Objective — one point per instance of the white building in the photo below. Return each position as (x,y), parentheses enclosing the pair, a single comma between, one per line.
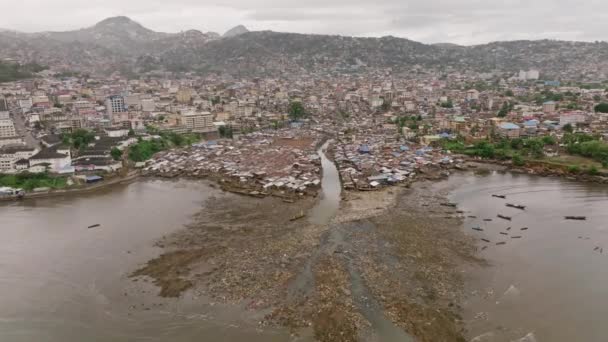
(5,115)
(148,105)
(50,157)
(115,104)
(10,155)
(7,129)
(26,104)
(530,75)
(572,118)
(198,122)
(117,132)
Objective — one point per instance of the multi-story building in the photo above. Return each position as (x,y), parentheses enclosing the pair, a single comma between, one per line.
(198,122)
(7,129)
(115,104)
(3,104)
(572,118)
(10,155)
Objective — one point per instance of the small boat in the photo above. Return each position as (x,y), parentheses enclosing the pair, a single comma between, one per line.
(487,220)
(472,216)
(516,206)
(500,243)
(525,228)
(94,226)
(504,217)
(485,240)
(509,228)
(451,205)
(477,229)
(499,196)
(576,218)
(503,233)
(299,216)
(515,237)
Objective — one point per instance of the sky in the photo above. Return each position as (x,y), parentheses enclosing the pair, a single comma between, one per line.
(463,22)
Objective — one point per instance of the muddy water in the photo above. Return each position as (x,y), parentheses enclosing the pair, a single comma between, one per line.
(60,281)
(329,203)
(550,282)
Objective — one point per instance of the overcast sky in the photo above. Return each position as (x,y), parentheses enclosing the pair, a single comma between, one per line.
(429,21)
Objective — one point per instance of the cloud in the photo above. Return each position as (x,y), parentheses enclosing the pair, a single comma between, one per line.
(430,21)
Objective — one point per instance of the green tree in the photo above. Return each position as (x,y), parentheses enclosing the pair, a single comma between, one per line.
(116,153)
(296,111)
(518,160)
(602,108)
(568,128)
(509,93)
(131,132)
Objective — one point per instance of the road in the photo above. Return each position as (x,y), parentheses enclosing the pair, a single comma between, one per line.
(29,138)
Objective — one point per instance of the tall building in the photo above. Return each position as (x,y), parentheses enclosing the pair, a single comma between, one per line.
(115,104)
(7,129)
(199,122)
(3,104)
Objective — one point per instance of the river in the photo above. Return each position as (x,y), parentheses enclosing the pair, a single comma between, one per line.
(60,281)
(551,282)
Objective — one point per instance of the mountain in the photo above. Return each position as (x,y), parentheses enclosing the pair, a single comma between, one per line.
(122,44)
(235,31)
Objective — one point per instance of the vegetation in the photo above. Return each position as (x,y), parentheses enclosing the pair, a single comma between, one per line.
(506,108)
(226,131)
(504,149)
(296,111)
(78,139)
(29,181)
(145,149)
(602,108)
(116,153)
(447,104)
(10,72)
(568,128)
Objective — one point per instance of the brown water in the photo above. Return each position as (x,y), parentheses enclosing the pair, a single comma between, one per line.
(60,281)
(560,284)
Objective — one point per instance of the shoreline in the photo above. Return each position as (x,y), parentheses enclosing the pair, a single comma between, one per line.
(75,191)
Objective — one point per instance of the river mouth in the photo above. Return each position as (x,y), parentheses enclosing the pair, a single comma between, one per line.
(546,275)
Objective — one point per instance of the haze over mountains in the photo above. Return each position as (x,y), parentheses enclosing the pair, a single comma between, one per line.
(122,44)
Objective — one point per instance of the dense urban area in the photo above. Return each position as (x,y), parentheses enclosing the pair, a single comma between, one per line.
(250,115)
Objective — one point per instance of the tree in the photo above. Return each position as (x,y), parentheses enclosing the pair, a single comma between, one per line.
(568,128)
(518,160)
(116,153)
(601,108)
(447,104)
(509,93)
(597,98)
(131,132)
(296,111)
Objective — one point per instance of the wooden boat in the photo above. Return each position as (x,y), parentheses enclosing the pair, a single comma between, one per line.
(504,217)
(499,196)
(485,240)
(477,229)
(301,215)
(94,226)
(516,206)
(576,218)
